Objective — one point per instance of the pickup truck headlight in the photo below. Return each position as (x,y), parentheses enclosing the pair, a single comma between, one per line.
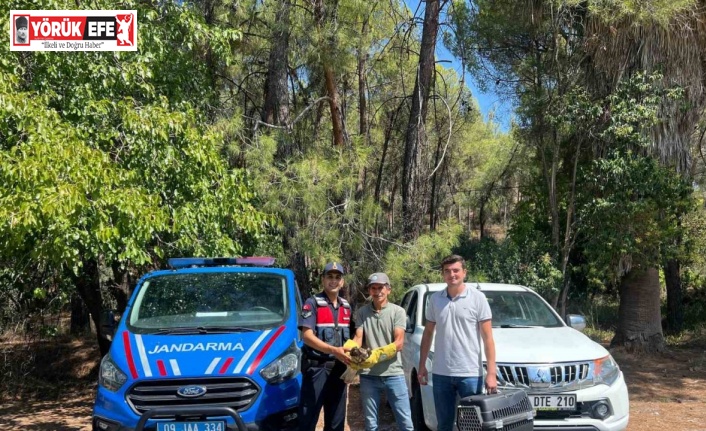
(282,368)
(110,376)
(605,370)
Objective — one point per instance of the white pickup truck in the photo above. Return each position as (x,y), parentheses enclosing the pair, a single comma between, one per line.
(573,383)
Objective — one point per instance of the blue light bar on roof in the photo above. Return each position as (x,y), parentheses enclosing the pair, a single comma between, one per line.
(187,262)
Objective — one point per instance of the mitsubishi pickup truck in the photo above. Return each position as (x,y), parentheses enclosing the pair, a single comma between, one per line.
(573,383)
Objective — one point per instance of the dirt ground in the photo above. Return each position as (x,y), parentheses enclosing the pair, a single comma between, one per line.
(667,391)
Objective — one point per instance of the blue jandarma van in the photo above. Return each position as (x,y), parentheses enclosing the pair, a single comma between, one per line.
(211,345)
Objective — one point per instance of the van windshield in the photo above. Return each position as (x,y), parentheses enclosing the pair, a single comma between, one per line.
(208,302)
(520,309)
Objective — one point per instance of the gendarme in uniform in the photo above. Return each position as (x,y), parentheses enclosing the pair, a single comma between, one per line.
(322,386)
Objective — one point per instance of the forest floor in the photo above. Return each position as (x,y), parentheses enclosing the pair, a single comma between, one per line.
(50,385)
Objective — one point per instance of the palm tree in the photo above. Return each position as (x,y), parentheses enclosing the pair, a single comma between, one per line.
(675,47)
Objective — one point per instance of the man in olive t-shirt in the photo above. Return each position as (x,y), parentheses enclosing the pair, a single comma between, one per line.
(379,324)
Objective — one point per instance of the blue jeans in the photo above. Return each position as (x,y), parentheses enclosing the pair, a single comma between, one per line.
(445,389)
(396,392)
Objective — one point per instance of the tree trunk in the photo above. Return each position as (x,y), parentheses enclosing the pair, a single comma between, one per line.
(435,180)
(325,15)
(381,166)
(362,104)
(563,295)
(276,107)
(335,106)
(639,319)
(675,296)
(412,203)
(481,220)
(79,316)
(389,129)
(362,83)
(121,288)
(88,286)
(568,243)
(212,64)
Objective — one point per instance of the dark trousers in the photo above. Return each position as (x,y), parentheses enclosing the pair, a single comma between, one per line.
(322,387)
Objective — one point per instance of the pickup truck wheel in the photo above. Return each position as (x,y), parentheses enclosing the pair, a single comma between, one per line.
(418,410)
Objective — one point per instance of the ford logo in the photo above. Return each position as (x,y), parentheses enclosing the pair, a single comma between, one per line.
(192,391)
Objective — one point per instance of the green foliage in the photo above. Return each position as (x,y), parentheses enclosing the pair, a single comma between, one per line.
(694,241)
(108,157)
(527,264)
(694,285)
(630,204)
(418,261)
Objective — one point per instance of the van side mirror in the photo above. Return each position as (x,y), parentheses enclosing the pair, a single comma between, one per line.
(576,321)
(108,323)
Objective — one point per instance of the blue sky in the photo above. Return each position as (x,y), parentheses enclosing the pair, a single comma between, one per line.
(488,101)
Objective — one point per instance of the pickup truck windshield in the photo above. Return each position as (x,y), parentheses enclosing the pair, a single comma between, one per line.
(520,309)
(209,302)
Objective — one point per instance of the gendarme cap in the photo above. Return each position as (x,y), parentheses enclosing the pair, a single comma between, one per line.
(378,278)
(334,266)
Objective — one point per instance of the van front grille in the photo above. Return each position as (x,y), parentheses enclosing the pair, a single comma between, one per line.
(234,392)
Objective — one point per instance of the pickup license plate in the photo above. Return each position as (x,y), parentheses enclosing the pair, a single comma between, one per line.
(192,426)
(553,402)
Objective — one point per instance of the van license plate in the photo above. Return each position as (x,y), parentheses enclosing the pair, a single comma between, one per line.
(553,402)
(192,426)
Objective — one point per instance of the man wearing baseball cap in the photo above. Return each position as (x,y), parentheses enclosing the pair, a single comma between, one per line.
(325,323)
(382,324)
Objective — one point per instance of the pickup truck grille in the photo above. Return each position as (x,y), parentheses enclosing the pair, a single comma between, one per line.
(234,392)
(540,377)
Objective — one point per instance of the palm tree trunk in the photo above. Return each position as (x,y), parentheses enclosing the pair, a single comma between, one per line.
(639,319)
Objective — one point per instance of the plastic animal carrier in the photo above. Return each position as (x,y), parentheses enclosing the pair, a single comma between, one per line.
(507,411)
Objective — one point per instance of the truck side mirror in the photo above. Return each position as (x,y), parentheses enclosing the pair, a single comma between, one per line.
(576,321)
(410,324)
(108,323)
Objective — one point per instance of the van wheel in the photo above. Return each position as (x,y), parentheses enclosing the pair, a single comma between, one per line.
(418,410)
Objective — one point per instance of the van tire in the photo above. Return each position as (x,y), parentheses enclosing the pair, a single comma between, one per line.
(418,409)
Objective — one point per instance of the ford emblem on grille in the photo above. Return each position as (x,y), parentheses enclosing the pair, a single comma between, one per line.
(191,391)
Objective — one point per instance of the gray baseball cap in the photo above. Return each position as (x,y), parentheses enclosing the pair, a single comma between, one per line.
(378,278)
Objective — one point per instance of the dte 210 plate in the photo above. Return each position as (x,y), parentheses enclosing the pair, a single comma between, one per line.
(553,401)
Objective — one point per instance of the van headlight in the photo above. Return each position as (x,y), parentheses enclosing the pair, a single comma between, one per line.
(284,367)
(110,376)
(605,370)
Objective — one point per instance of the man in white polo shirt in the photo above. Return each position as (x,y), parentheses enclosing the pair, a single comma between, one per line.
(457,313)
